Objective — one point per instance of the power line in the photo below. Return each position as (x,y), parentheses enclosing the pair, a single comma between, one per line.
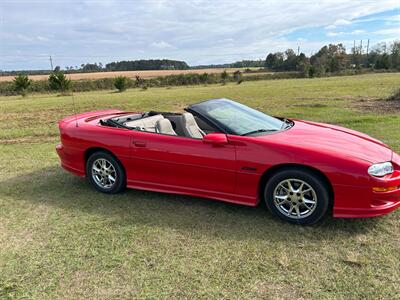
(51,63)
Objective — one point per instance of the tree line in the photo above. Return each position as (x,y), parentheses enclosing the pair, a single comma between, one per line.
(126,65)
(329,59)
(334,58)
(147,64)
(132,65)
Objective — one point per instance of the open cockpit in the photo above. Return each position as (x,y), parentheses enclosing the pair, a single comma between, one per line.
(184,124)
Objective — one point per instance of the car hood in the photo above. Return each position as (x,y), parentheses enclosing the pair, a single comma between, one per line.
(335,139)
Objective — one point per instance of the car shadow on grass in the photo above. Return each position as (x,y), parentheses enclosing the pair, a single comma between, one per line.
(53,186)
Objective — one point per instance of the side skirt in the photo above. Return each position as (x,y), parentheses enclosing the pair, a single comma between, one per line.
(164,188)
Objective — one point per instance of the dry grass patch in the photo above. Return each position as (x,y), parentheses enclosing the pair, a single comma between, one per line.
(39,139)
(377,105)
(131,74)
(278,291)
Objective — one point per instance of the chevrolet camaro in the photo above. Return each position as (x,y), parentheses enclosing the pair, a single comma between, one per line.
(224,150)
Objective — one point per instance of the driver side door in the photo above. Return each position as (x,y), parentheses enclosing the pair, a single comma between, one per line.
(182,164)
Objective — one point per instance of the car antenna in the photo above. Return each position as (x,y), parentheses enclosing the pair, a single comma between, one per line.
(73,105)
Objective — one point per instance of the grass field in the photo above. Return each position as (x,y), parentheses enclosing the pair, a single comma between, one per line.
(131,74)
(61,239)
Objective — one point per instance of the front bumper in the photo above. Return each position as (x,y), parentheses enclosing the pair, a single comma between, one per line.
(379,207)
(373,203)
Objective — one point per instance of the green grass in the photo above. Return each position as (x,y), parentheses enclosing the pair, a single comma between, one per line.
(61,239)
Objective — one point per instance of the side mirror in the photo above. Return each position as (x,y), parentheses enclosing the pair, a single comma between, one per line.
(215,139)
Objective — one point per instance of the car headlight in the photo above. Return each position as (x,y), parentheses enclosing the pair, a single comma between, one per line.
(381,169)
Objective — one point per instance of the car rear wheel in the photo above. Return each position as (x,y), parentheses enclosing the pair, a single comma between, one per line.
(297,196)
(105,173)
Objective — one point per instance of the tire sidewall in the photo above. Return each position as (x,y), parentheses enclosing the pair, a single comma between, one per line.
(313,180)
(121,179)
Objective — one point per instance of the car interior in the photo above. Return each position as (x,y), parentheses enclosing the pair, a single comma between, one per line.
(185,124)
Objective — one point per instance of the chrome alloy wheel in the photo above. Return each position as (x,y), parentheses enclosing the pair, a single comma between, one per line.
(295,198)
(104,173)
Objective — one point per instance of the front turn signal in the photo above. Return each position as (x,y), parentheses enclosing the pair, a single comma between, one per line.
(379,189)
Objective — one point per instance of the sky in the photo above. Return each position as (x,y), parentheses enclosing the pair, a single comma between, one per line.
(196,31)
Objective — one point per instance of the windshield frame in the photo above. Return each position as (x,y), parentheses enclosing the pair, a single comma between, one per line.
(197,109)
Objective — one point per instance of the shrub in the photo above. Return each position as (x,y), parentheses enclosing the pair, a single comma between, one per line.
(224,76)
(121,83)
(59,82)
(7,88)
(203,78)
(238,77)
(395,96)
(311,72)
(43,86)
(139,81)
(21,83)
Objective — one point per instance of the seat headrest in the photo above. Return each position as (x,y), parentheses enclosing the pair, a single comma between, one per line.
(190,127)
(189,119)
(164,126)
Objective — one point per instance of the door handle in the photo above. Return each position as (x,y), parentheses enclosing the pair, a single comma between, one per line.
(139,144)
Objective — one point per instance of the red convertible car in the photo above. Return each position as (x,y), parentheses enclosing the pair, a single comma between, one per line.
(224,150)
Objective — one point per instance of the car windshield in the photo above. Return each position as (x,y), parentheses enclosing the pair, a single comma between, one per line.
(237,118)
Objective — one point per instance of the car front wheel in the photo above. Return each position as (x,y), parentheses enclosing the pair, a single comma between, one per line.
(297,196)
(105,173)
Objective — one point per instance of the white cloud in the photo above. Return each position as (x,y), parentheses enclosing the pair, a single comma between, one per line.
(329,27)
(353,32)
(337,23)
(42,38)
(198,31)
(357,31)
(395,18)
(23,37)
(341,22)
(389,31)
(161,45)
(332,33)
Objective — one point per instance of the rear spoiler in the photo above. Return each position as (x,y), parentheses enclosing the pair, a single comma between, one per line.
(91,115)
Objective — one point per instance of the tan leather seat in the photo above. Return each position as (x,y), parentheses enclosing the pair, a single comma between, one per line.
(145,124)
(190,127)
(164,126)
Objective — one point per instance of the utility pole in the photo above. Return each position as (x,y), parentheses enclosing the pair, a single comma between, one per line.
(367,53)
(298,50)
(51,63)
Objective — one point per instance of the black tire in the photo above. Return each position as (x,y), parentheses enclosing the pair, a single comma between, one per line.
(297,176)
(120,181)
